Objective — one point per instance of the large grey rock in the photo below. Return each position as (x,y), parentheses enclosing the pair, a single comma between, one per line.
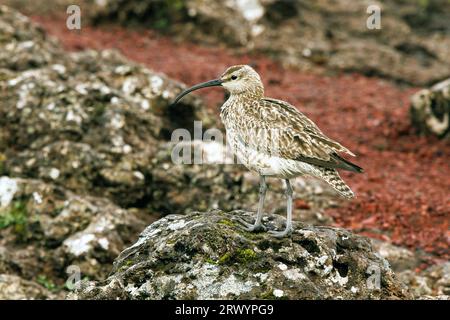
(206,256)
(88,121)
(96,118)
(430,110)
(45,229)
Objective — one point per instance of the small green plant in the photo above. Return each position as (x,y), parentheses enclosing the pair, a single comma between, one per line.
(46,282)
(126,266)
(14,216)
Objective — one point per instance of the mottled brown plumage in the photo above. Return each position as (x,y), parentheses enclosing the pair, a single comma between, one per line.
(273,138)
(297,137)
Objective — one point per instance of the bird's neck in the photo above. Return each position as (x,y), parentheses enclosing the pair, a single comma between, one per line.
(247,95)
(238,102)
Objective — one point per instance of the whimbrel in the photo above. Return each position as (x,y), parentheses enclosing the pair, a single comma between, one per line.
(272,138)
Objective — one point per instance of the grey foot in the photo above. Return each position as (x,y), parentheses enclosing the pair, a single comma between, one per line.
(250,227)
(281,234)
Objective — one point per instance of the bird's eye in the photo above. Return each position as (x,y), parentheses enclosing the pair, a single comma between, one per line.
(233,77)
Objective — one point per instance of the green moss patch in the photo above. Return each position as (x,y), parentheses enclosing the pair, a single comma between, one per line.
(227,222)
(241,256)
(15,216)
(225,258)
(246,255)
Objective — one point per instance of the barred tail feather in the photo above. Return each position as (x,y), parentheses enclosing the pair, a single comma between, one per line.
(331,176)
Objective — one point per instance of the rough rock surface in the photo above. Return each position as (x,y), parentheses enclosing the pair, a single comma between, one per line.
(432,283)
(23,45)
(430,110)
(15,288)
(206,256)
(45,229)
(93,123)
(412,45)
(77,129)
(399,258)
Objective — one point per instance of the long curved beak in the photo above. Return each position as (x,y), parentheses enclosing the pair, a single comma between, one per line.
(212,83)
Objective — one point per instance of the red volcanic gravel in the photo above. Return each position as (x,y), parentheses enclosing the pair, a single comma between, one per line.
(403,196)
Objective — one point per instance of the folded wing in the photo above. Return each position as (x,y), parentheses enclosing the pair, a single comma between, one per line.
(278,128)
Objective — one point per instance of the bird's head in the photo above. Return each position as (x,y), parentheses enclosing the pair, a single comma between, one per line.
(240,79)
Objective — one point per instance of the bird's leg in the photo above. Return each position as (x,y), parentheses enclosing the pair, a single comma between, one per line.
(289,229)
(258,222)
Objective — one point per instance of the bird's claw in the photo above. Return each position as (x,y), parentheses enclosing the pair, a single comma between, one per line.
(281,234)
(250,227)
